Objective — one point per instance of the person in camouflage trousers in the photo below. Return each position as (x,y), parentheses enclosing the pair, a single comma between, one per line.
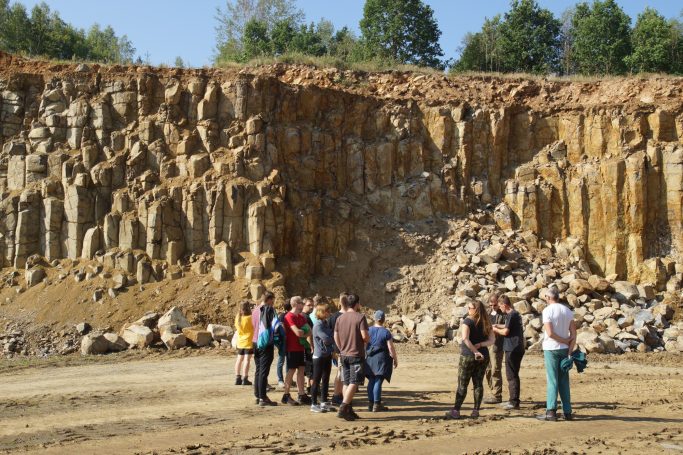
(494,372)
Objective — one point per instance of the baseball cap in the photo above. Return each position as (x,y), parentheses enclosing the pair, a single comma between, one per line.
(379,315)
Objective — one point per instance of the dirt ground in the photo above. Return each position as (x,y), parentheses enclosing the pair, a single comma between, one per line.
(180,403)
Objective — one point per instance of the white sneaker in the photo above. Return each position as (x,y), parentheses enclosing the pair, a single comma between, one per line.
(326,405)
(317,408)
(281,384)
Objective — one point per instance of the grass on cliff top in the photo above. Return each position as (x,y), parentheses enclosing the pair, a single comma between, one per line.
(557,78)
(369,66)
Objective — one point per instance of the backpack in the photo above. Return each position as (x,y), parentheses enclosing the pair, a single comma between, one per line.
(266,331)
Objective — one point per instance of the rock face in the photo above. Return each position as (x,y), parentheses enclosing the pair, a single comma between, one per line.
(260,166)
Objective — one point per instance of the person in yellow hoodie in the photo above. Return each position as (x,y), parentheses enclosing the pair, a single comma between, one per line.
(245,346)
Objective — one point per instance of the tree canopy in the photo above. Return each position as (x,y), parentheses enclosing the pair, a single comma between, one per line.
(42,32)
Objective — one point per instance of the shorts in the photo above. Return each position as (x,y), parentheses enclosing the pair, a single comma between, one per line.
(295,360)
(245,351)
(352,370)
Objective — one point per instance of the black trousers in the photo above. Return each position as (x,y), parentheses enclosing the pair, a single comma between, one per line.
(321,372)
(513,363)
(263,359)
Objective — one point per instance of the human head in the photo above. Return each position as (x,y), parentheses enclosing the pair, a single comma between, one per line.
(288,305)
(343,301)
(308,305)
(477,312)
(245,307)
(552,294)
(379,317)
(504,303)
(268,298)
(297,304)
(494,301)
(354,302)
(322,311)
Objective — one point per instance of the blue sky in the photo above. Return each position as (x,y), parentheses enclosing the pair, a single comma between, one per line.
(169,28)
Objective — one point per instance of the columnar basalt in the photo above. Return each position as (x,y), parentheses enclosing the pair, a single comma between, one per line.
(146,166)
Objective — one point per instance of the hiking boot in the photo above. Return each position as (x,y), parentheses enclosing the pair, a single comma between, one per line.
(492,400)
(246,381)
(475,413)
(317,408)
(370,406)
(305,399)
(510,406)
(568,416)
(238,380)
(267,402)
(379,407)
(549,416)
(453,414)
(353,413)
(344,413)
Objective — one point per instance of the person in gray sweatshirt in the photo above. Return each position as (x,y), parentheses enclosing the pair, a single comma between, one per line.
(323,348)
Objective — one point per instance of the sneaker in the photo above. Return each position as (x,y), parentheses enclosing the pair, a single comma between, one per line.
(370,406)
(269,388)
(327,405)
(492,400)
(267,402)
(549,416)
(569,416)
(510,406)
(238,380)
(337,400)
(246,381)
(475,414)
(379,407)
(305,399)
(317,408)
(281,384)
(258,401)
(453,414)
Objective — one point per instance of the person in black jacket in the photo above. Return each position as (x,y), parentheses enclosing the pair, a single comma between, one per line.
(514,345)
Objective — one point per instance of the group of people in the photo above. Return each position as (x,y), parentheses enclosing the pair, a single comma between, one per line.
(311,340)
(500,327)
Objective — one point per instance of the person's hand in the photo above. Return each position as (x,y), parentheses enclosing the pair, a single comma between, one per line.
(478,356)
(395,363)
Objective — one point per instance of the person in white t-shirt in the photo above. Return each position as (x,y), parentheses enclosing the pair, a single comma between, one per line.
(558,343)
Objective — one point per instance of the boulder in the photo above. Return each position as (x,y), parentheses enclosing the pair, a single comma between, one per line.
(605,313)
(220,332)
(94,343)
(599,284)
(624,290)
(148,320)
(408,323)
(138,336)
(523,307)
(173,317)
(510,284)
(472,247)
(665,309)
(646,291)
(492,253)
(116,342)
(34,276)
(197,337)
(173,340)
(580,286)
(431,329)
(83,328)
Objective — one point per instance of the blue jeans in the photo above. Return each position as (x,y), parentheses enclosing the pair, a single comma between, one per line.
(280,365)
(557,380)
(375,388)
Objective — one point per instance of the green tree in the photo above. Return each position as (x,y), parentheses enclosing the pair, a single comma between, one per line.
(601,38)
(233,21)
(529,38)
(16,29)
(256,42)
(480,51)
(404,31)
(308,41)
(344,45)
(179,63)
(651,39)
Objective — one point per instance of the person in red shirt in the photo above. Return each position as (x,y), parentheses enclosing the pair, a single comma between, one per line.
(296,330)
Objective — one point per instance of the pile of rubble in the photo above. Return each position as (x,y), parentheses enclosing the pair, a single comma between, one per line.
(171,330)
(612,316)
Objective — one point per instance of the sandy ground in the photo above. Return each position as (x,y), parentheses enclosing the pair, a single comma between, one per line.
(171,404)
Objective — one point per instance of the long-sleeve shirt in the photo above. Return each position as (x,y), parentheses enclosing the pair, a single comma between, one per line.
(323,339)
